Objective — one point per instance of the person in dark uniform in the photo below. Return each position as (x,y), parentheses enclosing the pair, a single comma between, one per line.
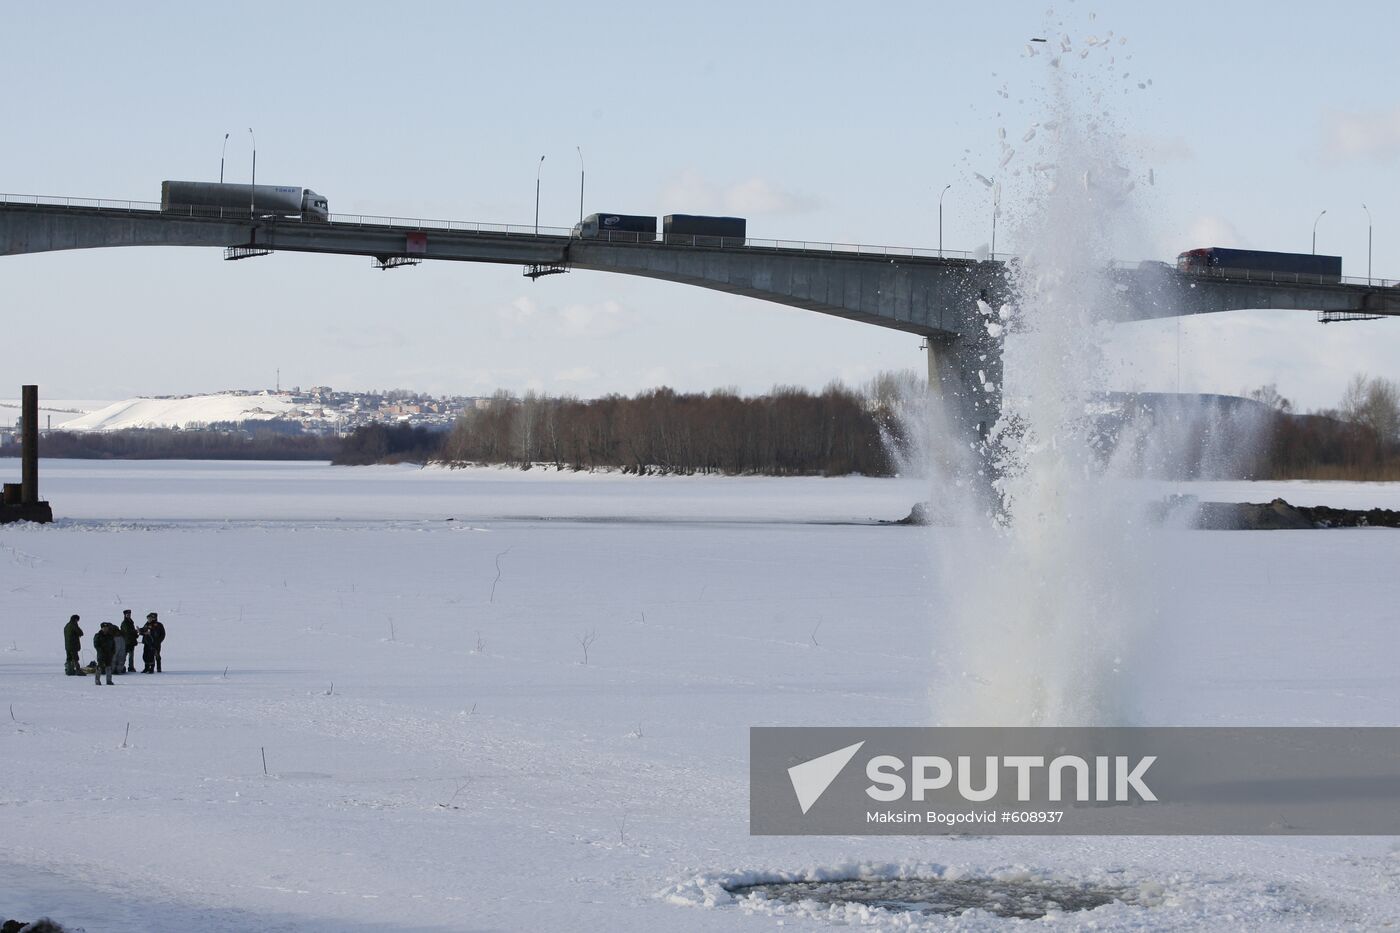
(129,633)
(72,644)
(105,644)
(148,649)
(158,628)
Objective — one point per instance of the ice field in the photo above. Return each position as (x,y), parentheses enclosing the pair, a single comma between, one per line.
(535,715)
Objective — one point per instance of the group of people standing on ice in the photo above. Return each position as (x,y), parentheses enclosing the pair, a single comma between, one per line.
(115,644)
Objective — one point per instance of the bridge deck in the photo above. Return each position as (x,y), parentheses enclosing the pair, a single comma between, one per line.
(909,289)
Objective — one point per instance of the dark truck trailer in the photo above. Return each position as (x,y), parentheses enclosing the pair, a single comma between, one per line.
(1316,268)
(704,231)
(629,228)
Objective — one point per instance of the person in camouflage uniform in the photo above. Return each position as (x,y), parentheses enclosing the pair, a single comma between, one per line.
(158,630)
(128,626)
(72,644)
(105,644)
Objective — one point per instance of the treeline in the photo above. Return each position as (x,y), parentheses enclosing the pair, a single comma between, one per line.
(386,443)
(787,432)
(173,444)
(1357,440)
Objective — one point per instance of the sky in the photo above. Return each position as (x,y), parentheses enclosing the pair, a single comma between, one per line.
(817,121)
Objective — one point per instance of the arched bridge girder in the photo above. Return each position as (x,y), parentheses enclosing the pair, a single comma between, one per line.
(931,299)
(927,297)
(36,230)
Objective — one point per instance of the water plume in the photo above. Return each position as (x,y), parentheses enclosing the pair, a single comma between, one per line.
(1044,597)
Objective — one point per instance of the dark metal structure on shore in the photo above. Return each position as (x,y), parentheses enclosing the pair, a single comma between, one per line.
(21,501)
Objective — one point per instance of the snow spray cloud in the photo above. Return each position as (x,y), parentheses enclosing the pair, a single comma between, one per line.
(1043,602)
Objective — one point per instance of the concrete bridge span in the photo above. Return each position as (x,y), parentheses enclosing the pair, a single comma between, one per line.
(916,292)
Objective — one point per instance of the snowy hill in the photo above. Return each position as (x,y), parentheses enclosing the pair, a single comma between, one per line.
(191,411)
(53,412)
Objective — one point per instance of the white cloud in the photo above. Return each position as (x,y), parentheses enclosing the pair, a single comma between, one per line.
(1372,135)
(1204,230)
(519,311)
(602,319)
(576,375)
(758,196)
(691,193)
(523,317)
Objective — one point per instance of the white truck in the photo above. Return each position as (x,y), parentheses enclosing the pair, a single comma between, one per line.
(213,199)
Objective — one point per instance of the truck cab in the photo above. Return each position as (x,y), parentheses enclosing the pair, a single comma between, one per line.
(314,206)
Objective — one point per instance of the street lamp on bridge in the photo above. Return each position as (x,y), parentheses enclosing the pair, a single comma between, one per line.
(580,183)
(996,209)
(538,169)
(940,219)
(252,188)
(222,152)
(1368,243)
(1319,217)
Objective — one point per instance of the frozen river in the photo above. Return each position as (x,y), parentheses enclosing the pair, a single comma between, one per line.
(440,757)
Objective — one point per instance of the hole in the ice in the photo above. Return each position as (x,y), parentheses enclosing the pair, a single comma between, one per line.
(1018,899)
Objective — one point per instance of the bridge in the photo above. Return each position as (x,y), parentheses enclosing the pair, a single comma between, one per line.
(929,293)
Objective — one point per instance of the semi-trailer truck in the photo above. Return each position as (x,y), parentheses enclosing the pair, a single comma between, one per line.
(630,228)
(205,198)
(703,231)
(1317,268)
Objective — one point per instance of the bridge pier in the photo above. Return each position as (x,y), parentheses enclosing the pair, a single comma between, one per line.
(965,386)
(965,374)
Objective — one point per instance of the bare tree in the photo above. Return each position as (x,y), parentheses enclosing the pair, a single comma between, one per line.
(1373,402)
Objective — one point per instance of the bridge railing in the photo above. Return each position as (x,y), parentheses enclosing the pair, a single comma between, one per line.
(60,201)
(811,247)
(460,226)
(1262,275)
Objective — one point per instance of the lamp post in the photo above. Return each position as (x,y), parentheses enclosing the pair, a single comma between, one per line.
(253,187)
(222,152)
(996,209)
(1319,217)
(940,219)
(1368,243)
(538,169)
(580,183)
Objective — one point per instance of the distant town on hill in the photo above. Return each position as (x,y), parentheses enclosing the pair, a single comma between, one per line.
(318,411)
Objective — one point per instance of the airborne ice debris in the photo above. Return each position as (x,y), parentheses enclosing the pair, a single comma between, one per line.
(1007,158)
(983,179)
(1030,134)
(1151,177)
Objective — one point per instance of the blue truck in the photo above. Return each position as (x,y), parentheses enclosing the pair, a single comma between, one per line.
(1306,266)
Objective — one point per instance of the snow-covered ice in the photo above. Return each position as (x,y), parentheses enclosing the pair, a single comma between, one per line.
(439,757)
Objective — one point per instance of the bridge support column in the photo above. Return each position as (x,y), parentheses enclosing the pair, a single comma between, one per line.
(964,381)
